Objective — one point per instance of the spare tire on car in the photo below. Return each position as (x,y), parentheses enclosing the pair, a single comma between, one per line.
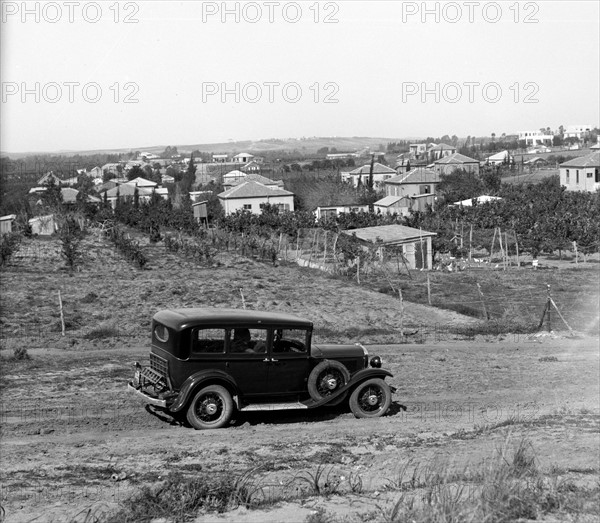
(326,379)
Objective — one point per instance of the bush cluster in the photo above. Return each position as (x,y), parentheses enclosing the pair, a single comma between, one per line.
(128,247)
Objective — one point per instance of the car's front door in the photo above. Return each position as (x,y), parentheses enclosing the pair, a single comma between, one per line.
(289,362)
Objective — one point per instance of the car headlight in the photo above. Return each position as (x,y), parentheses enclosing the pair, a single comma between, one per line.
(376,362)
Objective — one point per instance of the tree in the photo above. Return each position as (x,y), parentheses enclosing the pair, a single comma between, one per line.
(460,185)
(70,235)
(135,172)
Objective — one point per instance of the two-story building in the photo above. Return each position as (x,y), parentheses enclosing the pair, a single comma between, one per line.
(534,138)
(581,174)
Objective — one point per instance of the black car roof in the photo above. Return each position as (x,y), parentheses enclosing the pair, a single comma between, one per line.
(180,319)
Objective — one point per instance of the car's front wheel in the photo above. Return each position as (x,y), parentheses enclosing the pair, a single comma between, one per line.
(371,399)
(211,408)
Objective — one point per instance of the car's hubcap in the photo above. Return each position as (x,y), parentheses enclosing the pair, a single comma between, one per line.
(372,400)
(211,408)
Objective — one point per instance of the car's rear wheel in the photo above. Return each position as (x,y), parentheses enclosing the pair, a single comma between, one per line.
(326,379)
(371,399)
(211,408)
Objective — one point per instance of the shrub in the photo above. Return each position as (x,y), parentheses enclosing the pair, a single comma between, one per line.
(21,353)
(70,235)
(9,244)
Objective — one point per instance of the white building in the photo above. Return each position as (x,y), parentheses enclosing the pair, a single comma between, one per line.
(581,174)
(577,131)
(380,173)
(335,210)
(503,157)
(243,158)
(536,137)
(249,196)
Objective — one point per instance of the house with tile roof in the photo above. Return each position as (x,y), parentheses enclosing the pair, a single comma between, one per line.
(127,190)
(380,174)
(142,182)
(404,205)
(413,183)
(449,164)
(581,174)
(250,195)
(436,152)
(503,157)
(236,177)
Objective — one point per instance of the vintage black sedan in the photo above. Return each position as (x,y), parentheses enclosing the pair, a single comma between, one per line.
(206,363)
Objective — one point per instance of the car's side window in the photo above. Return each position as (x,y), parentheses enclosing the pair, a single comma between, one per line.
(290,340)
(208,341)
(250,341)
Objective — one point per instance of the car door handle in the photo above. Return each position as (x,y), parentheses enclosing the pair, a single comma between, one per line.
(274,361)
(266,360)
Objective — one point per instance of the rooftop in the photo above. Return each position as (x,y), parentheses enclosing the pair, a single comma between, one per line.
(455,158)
(378,168)
(591,160)
(390,234)
(415,176)
(253,189)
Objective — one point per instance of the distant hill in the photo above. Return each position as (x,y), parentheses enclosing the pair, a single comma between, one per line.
(307,145)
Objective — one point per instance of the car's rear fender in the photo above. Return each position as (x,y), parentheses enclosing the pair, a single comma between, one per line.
(201,379)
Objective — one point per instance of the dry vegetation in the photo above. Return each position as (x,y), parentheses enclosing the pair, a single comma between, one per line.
(487,429)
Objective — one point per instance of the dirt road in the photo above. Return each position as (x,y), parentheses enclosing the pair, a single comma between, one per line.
(73,438)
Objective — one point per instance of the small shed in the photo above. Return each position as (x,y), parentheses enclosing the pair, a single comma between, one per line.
(6,223)
(415,243)
(43,225)
(393,205)
(200,211)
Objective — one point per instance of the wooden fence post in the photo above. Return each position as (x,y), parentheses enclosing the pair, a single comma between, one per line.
(501,248)
(517,247)
(428,290)
(485,310)
(546,312)
(493,241)
(401,313)
(62,318)
(471,244)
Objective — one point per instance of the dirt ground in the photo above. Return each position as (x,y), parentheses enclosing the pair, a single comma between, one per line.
(74,440)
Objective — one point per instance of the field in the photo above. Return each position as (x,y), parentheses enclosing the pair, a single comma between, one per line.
(482,426)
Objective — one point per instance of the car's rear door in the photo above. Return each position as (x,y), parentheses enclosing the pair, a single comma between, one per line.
(249,368)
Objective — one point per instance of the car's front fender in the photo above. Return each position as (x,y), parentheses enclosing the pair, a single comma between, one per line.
(355,379)
(195,381)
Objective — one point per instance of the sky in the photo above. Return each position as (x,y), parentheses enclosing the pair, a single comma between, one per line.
(105,75)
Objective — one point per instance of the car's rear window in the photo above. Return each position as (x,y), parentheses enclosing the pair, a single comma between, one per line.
(208,341)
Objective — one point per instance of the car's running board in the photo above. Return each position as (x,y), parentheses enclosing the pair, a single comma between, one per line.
(274,406)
